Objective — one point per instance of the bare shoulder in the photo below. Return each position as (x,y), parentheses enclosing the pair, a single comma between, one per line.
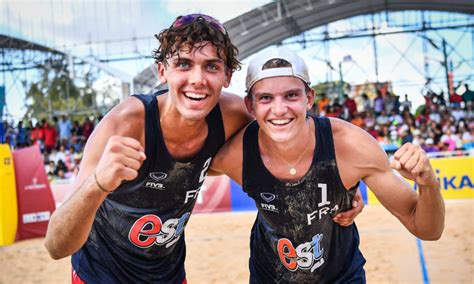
(232,149)
(230,100)
(348,137)
(126,119)
(357,152)
(230,157)
(232,104)
(234,113)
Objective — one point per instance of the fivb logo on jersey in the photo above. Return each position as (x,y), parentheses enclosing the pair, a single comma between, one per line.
(268,198)
(154,180)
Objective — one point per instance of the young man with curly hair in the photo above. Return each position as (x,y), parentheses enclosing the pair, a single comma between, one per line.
(145,162)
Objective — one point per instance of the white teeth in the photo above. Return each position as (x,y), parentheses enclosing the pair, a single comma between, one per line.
(195,96)
(280,121)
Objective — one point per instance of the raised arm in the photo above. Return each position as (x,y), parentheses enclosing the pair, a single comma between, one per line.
(413,164)
(421,213)
(113,153)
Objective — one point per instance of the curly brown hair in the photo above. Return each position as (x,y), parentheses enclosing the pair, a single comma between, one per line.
(196,34)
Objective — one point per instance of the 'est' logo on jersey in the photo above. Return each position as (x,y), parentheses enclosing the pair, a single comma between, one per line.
(149,230)
(308,255)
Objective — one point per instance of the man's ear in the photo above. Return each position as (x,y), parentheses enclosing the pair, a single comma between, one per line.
(310,96)
(161,72)
(228,75)
(249,105)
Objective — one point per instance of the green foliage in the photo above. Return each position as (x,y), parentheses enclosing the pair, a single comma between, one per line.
(56,93)
(419,110)
(325,87)
(331,89)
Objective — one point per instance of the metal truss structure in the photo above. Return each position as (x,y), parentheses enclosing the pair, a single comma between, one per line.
(19,59)
(274,22)
(307,23)
(309,26)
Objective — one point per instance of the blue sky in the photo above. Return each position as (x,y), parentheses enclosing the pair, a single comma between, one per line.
(70,26)
(64,22)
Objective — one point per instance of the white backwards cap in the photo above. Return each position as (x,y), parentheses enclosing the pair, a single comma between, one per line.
(255,72)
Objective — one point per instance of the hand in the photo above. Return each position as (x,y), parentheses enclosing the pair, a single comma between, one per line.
(121,160)
(413,164)
(347,218)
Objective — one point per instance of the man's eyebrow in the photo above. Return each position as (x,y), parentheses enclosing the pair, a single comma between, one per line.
(259,94)
(179,59)
(176,59)
(295,90)
(215,60)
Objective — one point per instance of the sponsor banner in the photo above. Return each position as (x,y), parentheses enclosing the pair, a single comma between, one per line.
(214,195)
(8,203)
(455,175)
(61,190)
(36,217)
(240,200)
(2,101)
(35,200)
(364,192)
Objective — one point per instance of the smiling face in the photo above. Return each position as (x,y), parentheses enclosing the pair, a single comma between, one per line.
(280,105)
(195,78)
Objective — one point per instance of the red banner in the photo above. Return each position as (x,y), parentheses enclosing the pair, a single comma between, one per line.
(214,195)
(35,200)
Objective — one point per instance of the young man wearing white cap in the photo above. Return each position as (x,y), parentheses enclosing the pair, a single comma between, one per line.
(302,170)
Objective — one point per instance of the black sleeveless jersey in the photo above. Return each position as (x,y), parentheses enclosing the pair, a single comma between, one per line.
(138,231)
(294,239)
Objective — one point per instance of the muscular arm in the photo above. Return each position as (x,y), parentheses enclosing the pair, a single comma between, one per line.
(234,114)
(113,159)
(422,214)
(235,117)
(229,158)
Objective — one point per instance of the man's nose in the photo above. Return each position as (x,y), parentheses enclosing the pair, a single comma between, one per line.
(279,107)
(197,76)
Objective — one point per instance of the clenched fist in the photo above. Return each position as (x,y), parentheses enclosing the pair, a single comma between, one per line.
(412,163)
(121,160)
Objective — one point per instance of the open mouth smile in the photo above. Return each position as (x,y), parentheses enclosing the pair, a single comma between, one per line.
(280,122)
(195,96)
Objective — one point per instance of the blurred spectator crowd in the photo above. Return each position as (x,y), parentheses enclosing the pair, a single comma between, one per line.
(440,124)
(61,142)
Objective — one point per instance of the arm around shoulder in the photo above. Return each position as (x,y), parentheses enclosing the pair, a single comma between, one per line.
(229,159)
(234,113)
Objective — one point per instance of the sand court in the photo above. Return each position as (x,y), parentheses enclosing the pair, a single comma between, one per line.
(217,250)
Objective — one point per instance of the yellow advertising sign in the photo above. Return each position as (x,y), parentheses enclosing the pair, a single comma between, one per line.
(8,198)
(455,175)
